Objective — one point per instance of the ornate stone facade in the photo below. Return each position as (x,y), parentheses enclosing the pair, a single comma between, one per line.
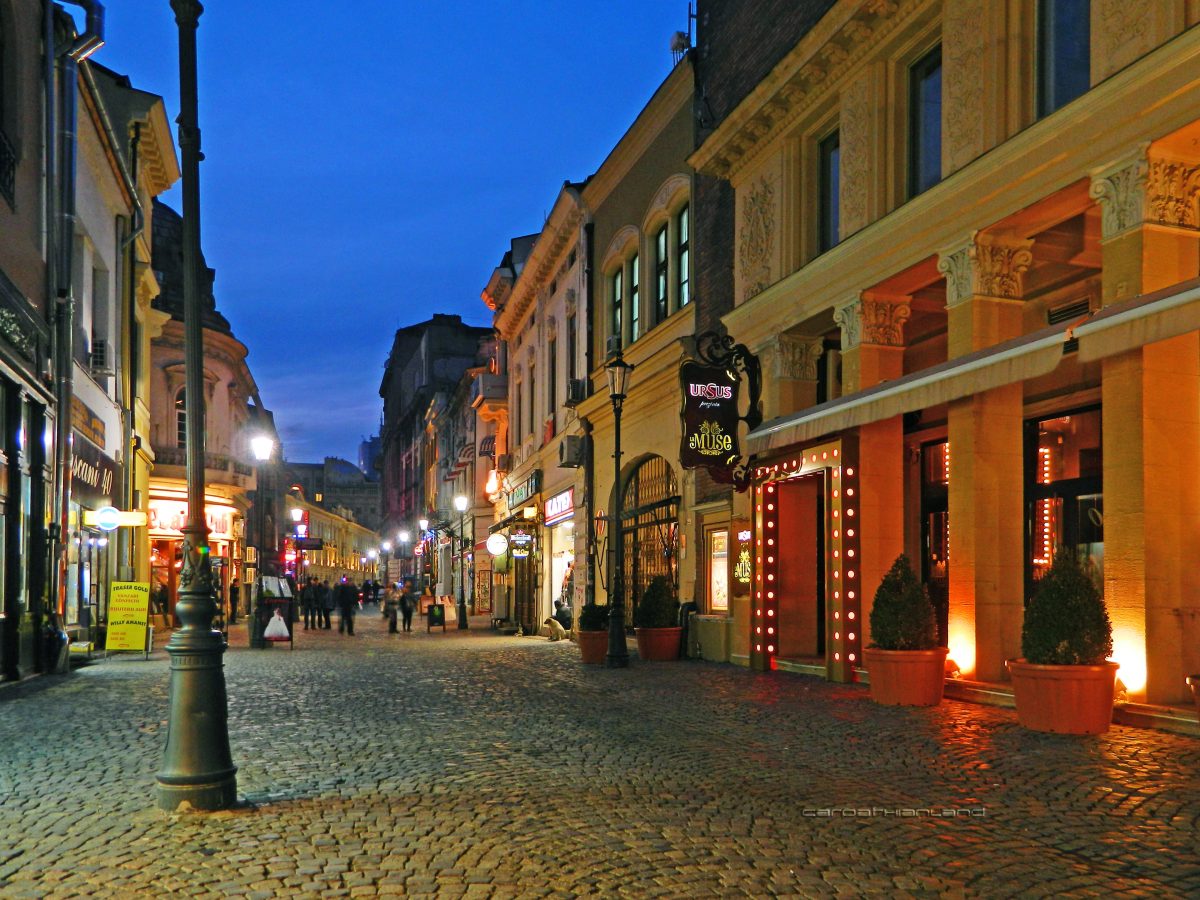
(797,356)
(873,320)
(756,241)
(989,266)
(1120,191)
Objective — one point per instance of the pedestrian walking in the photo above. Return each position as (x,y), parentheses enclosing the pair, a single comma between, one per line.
(235,597)
(309,596)
(408,604)
(325,604)
(346,595)
(391,603)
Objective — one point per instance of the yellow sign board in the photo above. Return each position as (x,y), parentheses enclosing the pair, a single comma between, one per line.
(128,606)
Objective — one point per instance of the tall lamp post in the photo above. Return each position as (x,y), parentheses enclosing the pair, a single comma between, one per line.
(262,446)
(461,503)
(423,524)
(385,552)
(618,375)
(197,766)
(401,553)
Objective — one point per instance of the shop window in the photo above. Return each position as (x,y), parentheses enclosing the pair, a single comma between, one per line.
(718,570)
(925,122)
(1063,52)
(1063,480)
(829,154)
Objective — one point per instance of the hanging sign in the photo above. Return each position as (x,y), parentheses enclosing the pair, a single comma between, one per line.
(743,568)
(520,543)
(710,387)
(559,508)
(526,489)
(496,544)
(93,474)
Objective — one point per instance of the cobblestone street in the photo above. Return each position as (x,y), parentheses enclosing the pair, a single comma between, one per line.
(497,766)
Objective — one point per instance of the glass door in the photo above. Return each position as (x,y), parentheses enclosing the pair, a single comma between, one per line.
(935,530)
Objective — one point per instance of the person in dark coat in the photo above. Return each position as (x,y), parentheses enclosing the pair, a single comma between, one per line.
(235,597)
(408,604)
(309,599)
(346,595)
(562,614)
(325,604)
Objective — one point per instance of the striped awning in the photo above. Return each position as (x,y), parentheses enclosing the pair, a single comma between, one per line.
(487,446)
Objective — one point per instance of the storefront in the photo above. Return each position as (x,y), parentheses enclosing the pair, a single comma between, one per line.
(558,521)
(168,517)
(90,554)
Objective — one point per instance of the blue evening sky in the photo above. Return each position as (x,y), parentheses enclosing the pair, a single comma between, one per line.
(368,162)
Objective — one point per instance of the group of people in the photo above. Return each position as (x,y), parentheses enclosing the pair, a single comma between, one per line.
(318,601)
(400,598)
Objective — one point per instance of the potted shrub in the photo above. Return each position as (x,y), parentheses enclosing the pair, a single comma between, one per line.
(657,622)
(907,666)
(592,633)
(1063,683)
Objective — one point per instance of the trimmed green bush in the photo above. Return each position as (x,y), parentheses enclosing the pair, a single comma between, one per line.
(658,607)
(593,617)
(902,617)
(1066,622)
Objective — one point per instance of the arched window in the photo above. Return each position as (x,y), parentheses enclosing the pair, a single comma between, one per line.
(650,528)
(181,418)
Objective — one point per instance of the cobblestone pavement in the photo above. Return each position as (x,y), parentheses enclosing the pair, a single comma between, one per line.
(480,765)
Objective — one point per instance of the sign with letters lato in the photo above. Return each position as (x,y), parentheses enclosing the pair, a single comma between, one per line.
(710,417)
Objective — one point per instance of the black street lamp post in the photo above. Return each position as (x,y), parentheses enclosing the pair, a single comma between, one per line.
(263,447)
(461,503)
(197,766)
(618,651)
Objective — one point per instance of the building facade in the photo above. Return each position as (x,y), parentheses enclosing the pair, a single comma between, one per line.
(969,273)
(340,483)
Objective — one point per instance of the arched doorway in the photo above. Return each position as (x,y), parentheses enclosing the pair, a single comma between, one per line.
(650,527)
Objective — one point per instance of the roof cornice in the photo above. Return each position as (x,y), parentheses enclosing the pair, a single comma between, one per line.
(804,77)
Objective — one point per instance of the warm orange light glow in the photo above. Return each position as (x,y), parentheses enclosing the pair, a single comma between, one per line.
(962,641)
(1129,649)
(493,483)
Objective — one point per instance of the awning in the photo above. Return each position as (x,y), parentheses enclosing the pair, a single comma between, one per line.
(1142,320)
(487,446)
(1029,356)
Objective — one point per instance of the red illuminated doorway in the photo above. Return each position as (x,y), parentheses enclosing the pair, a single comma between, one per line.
(801,568)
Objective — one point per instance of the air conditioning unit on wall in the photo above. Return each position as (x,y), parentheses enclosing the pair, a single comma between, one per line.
(571,452)
(577,391)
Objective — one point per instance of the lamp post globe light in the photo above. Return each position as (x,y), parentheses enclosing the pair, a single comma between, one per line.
(385,551)
(197,765)
(618,376)
(461,503)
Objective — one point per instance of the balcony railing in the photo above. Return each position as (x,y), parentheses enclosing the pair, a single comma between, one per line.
(177,456)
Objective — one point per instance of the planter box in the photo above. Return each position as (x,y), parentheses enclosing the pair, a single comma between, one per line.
(658,644)
(593,646)
(906,677)
(1063,699)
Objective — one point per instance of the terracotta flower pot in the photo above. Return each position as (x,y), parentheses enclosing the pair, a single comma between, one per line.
(1063,699)
(658,644)
(593,646)
(906,677)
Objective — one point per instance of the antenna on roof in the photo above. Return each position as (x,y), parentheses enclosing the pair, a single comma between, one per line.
(681,41)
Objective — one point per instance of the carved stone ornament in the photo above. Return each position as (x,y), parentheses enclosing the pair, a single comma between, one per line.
(1173,189)
(10,328)
(873,321)
(1121,193)
(757,238)
(797,356)
(989,266)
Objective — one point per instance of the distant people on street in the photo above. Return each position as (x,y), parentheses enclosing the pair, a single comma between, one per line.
(325,604)
(162,599)
(235,597)
(408,604)
(346,595)
(391,605)
(309,598)
(562,613)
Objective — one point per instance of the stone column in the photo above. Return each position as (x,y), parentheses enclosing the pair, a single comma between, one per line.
(790,373)
(1151,421)
(873,351)
(987,510)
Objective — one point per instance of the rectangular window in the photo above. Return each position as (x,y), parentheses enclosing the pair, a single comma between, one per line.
(634,297)
(516,422)
(616,297)
(1063,52)
(718,571)
(571,348)
(925,122)
(532,403)
(683,257)
(829,152)
(552,379)
(660,280)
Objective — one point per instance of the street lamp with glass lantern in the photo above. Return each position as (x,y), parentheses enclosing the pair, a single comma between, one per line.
(461,503)
(618,376)
(263,448)
(385,550)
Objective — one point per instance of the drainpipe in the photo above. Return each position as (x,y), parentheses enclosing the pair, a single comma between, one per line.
(67,59)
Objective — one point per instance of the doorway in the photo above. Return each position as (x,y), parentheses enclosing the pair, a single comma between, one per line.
(801,568)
